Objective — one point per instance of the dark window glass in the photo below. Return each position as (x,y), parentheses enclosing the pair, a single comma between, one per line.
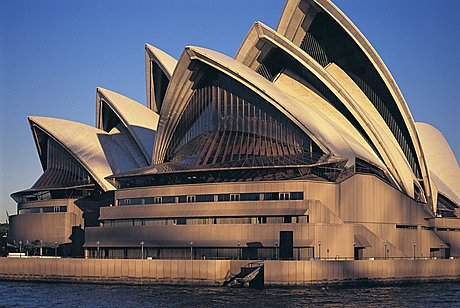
(148,200)
(234,197)
(123,201)
(223,197)
(63,209)
(271,196)
(287,219)
(250,197)
(284,196)
(262,219)
(157,200)
(204,198)
(181,221)
(46,209)
(182,199)
(169,199)
(137,201)
(297,195)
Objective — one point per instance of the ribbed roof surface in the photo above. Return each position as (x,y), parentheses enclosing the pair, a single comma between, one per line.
(441,161)
(328,134)
(140,121)
(99,152)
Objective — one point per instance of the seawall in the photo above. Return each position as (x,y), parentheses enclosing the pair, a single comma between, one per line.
(214,272)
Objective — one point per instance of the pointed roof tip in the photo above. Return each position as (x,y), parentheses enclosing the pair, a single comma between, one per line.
(150,47)
(164,60)
(33,118)
(105,91)
(100,90)
(156,49)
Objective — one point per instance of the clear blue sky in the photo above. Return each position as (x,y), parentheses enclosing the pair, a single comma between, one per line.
(54,53)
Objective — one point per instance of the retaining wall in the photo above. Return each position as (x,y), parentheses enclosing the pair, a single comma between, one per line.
(214,272)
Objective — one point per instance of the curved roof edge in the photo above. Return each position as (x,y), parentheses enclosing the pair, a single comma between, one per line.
(319,129)
(390,82)
(140,121)
(383,141)
(286,27)
(84,146)
(166,64)
(441,161)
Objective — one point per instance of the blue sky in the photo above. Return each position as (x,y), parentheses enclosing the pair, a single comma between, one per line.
(54,53)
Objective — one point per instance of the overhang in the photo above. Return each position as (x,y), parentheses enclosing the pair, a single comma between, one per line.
(140,121)
(299,14)
(252,209)
(320,129)
(159,68)
(261,40)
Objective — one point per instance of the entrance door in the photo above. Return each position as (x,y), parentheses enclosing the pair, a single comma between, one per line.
(286,245)
(359,253)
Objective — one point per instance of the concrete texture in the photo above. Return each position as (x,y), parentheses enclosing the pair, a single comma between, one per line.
(214,272)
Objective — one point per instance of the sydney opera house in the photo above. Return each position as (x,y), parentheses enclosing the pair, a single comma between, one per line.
(301,146)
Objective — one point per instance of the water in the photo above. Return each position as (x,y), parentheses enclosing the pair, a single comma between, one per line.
(416,294)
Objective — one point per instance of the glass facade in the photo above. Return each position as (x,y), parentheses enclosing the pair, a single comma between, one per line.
(263,253)
(297,219)
(327,42)
(44,209)
(211,198)
(226,122)
(62,170)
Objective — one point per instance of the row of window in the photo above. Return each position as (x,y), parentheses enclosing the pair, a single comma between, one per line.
(449,229)
(415,227)
(206,221)
(48,209)
(406,226)
(213,198)
(299,253)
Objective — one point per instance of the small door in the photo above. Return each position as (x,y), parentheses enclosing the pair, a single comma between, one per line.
(359,253)
(286,245)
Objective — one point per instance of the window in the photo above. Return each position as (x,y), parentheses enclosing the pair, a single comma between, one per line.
(406,226)
(273,220)
(204,198)
(234,197)
(169,199)
(271,196)
(157,200)
(182,221)
(223,197)
(124,201)
(148,201)
(297,195)
(284,196)
(262,220)
(132,201)
(137,201)
(250,197)
(182,199)
(287,219)
(191,199)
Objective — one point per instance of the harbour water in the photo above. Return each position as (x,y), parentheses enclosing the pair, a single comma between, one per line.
(407,294)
